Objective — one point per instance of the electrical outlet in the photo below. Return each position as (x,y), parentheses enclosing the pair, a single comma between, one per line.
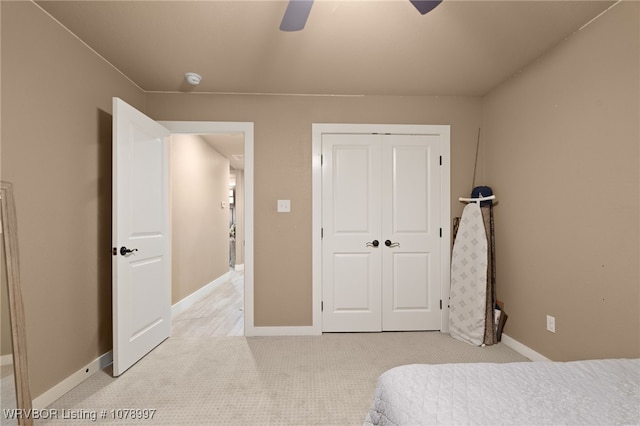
(551,324)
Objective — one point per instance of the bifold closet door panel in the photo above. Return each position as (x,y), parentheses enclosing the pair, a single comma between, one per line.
(351,197)
(411,223)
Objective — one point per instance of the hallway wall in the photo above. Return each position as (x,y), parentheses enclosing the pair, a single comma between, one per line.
(199,182)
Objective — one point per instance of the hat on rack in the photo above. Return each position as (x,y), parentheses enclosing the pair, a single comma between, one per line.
(482,191)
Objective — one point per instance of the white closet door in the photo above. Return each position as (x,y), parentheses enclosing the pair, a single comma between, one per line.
(411,223)
(381,232)
(351,200)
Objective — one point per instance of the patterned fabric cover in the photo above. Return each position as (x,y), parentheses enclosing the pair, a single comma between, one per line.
(596,392)
(468,296)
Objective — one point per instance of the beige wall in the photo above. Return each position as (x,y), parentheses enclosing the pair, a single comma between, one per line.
(566,125)
(562,154)
(282,139)
(56,149)
(199,225)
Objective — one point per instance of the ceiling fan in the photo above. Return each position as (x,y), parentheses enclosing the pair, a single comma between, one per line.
(295,17)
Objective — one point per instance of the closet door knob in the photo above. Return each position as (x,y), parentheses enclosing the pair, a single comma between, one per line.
(373,243)
(388,243)
(124,251)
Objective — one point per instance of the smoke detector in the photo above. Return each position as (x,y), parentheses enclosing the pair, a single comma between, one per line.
(193,78)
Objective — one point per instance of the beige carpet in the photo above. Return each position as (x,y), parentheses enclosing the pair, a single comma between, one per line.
(311,380)
(7,393)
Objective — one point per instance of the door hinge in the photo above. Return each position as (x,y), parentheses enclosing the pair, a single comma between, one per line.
(321,306)
(114,251)
(321,160)
(441,160)
(440,304)
(321,233)
(440,232)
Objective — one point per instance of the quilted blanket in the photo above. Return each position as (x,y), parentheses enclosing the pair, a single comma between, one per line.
(595,392)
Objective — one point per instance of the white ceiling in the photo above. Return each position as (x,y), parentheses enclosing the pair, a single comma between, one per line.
(349,47)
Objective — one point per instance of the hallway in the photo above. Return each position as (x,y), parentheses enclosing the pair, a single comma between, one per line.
(219,313)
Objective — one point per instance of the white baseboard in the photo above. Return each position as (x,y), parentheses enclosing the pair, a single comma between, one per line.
(523,349)
(72,381)
(282,331)
(6,359)
(188,301)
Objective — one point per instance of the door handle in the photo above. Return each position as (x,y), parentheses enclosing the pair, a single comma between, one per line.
(388,243)
(373,243)
(124,251)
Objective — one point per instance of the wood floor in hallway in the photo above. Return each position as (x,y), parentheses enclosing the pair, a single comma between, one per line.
(218,313)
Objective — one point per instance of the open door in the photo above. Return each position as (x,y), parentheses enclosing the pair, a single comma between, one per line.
(141,256)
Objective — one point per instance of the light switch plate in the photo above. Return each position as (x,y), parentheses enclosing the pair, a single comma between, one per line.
(284,206)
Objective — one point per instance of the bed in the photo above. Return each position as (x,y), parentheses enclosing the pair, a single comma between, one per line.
(599,392)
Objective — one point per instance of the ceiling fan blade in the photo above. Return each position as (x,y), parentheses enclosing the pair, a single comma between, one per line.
(425,6)
(295,17)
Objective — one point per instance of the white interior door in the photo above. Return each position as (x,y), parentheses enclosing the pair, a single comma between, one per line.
(351,252)
(141,255)
(411,232)
(381,266)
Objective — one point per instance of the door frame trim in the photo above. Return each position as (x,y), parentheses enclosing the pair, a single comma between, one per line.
(204,127)
(317,130)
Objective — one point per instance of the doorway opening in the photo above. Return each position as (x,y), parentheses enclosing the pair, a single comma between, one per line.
(232,142)
(207,234)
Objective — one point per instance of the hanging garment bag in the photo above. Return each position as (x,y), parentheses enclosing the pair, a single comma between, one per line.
(468,296)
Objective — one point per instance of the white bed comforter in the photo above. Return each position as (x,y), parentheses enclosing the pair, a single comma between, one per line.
(597,392)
